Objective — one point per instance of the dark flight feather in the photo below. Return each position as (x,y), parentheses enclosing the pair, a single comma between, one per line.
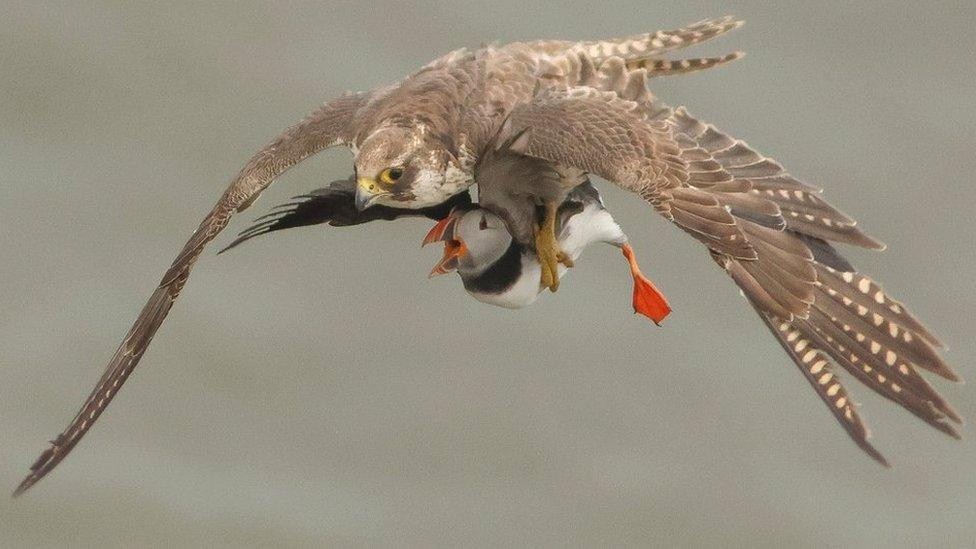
(336,205)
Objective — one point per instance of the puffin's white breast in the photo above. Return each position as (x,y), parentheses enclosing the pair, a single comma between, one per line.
(593,224)
(525,290)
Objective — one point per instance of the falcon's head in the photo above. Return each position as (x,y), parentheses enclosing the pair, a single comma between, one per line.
(407,167)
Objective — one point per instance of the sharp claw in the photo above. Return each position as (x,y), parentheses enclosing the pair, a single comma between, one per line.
(547,278)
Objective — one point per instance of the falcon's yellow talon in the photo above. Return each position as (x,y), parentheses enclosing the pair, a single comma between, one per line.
(565,260)
(547,249)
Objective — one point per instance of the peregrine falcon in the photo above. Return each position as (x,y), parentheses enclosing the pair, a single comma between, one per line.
(529,122)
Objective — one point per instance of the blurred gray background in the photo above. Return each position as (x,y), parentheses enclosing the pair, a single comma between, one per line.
(314,388)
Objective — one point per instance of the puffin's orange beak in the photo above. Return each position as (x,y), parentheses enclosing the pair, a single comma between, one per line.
(454,249)
(443,230)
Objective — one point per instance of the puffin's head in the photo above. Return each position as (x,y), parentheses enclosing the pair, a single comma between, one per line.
(406,167)
(473,241)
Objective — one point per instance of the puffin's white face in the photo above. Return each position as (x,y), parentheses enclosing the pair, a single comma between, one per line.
(486,237)
(473,241)
(404,167)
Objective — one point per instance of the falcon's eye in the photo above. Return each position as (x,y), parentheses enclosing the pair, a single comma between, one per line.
(389,176)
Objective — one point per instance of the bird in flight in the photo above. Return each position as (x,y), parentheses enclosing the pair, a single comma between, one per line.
(529,122)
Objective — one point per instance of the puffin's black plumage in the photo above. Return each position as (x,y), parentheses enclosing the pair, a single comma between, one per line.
(502,274)
(336,205)
(506,271)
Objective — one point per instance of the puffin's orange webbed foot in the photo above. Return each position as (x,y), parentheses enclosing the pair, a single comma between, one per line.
(648,300)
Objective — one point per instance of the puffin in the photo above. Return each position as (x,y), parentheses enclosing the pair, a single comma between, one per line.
(497,268)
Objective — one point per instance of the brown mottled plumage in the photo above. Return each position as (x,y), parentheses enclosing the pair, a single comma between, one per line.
(574,108)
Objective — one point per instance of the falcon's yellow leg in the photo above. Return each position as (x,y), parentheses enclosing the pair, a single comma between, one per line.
(546,247)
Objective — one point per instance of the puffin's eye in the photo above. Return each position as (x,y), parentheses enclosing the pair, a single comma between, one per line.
(389,176)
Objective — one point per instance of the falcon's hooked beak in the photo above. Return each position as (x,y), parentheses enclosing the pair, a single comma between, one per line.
(454,246)
(367,192)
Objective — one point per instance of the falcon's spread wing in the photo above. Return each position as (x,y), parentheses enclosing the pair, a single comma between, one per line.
(768,230)
(848,320)
(336,205)
(330,125)
(601,133)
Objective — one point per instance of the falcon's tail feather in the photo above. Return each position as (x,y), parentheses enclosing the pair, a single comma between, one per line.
(671,67)
(642,46)
(645,50)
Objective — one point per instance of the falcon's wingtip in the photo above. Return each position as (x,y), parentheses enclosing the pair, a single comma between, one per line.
(879,458)
(23,486)
(870,450)
(41,467)
(29,481)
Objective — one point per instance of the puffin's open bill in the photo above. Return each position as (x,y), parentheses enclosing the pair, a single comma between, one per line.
(454,246)
(453,250)
(443,227)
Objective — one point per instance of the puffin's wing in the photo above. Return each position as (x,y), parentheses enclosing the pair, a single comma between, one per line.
(330,125)
(336,205)
(581,196)
(766,229)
